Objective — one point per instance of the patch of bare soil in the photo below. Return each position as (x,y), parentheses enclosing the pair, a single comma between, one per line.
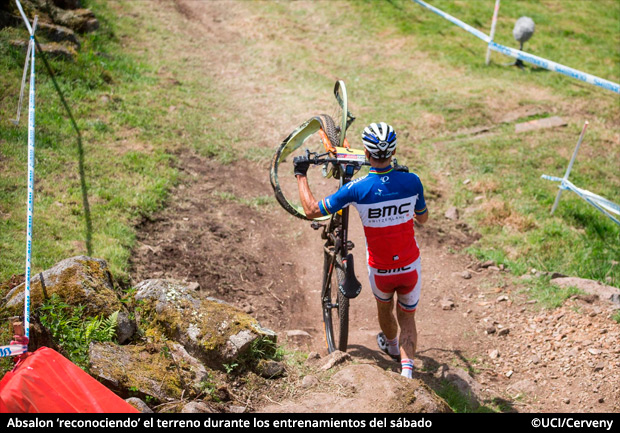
(268,263)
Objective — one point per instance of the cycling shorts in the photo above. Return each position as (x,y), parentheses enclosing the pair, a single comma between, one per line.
(404,281)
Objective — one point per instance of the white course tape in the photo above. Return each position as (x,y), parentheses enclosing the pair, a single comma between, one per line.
(607,207)
(556,67)
(526,57)
(18,349)
(12,350)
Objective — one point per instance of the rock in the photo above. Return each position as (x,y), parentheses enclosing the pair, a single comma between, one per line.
(494,268)
(196,407)
(591,287)
(370,390)
(487,264)
(125,328)
(466,385)
(502,298)
(313,358)
(509,373)
(139,404)
(270,369)
(490,330)
(59,34)
(535,359)
(67,4)
(524,386)
(452,214)
(494,354)
(236,409)
(298,336)
(594,351)
(146,371)
(53,49)
(211,330)
(504,331)
(192,285)
(590,299)
(547,122)
(566,401)
(600,366)
(333,359)
(466,275)
(447,304)
(78,281)
(79,20)
(309,381)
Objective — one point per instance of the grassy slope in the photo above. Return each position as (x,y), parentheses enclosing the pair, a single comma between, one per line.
(432,84)
(506,167)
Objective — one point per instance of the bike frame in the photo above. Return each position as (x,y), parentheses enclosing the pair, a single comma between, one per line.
(335,234)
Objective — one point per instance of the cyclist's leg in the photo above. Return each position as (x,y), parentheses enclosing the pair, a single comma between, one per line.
(408,298)
(387,321)
(385,312)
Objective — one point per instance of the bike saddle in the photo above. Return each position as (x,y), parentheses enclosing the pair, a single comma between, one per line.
(351,286)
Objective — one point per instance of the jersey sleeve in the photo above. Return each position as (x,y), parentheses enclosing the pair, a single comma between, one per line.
(340,199)
(420,204)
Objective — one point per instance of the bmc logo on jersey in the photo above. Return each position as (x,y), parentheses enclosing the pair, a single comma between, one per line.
(387,211)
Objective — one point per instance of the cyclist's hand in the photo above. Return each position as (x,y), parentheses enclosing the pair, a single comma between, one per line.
(301,164)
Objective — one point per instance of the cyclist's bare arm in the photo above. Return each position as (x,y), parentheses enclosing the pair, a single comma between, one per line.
(308,202)
(421,218)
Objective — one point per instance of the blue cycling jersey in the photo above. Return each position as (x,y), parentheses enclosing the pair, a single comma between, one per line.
(386,201)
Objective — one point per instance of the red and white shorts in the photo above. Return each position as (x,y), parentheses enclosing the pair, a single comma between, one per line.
(405,282)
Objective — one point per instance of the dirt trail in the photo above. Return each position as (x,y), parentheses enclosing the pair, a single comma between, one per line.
(269,263)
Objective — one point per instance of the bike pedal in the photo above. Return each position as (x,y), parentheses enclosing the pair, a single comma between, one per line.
(350,245)
(315,225)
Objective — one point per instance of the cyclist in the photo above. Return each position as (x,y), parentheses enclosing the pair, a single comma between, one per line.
(388,201)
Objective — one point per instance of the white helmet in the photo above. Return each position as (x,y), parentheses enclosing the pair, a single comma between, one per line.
(379,139)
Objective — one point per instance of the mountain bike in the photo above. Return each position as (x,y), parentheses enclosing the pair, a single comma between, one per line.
(339,161)
(339,283)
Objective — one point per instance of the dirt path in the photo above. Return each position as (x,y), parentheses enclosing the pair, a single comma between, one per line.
(216,231)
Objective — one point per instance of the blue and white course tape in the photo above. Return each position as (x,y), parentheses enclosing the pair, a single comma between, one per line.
(607,207)
(18,349)
(526,57)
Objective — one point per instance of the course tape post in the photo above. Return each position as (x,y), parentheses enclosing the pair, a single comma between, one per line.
(526,57)
(18,349)
(605,206)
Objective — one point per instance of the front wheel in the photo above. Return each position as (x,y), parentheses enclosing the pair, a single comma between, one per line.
(335,305)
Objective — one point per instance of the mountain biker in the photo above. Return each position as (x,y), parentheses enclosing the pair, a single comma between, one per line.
(388,201)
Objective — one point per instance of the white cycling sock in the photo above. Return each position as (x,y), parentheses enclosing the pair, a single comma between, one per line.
(407,366)
(393,346)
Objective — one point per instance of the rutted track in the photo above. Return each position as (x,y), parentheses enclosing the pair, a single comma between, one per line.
(268,262)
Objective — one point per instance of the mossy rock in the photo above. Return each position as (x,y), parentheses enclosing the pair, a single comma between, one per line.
(78,281)
(156,372)
(215,332)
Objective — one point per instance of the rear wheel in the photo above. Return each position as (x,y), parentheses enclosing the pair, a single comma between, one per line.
(335,305)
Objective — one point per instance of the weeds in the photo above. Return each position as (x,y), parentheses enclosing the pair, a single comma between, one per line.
(72,331)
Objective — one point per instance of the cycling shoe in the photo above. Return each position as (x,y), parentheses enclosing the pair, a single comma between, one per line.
(383,345)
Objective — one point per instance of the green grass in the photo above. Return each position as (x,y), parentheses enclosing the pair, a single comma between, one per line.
(503,167)
(564,34)
(137,103)
(548,295)
(131,117)
(460,403)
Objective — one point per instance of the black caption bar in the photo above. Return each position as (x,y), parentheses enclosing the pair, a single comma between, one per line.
(304,422)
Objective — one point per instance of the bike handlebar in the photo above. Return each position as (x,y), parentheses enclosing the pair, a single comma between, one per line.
(316,159)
